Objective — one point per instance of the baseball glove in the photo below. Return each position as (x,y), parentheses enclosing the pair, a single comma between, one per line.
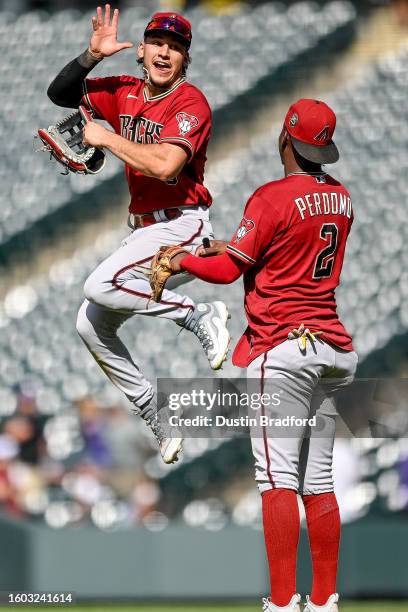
(64,143)
(161,269)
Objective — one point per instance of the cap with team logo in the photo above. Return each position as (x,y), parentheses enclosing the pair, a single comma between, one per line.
(311,124)
(171,23)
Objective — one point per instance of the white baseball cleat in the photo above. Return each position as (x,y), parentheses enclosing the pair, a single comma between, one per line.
(209,323)
(170,447)
(293,605)
(170,444)
(329,606)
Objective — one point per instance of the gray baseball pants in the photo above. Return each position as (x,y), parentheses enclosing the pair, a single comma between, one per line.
(299,456)
(118,289)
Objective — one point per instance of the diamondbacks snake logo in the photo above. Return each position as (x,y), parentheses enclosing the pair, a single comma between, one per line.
(186,123)
(244,228)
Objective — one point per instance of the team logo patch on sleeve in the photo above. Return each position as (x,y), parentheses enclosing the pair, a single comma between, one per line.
(244,228)
(186,123)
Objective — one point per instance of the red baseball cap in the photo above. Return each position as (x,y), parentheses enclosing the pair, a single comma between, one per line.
(311,124)
(172,23)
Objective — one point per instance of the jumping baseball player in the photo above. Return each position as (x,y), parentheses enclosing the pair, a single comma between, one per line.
(161,128)
(290,246)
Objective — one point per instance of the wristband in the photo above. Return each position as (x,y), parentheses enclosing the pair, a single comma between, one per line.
(88,60)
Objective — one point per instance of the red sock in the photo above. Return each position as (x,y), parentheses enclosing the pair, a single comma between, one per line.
(281,524)
(323,524)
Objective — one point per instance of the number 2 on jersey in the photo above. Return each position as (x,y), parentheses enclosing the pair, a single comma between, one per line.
(325,259)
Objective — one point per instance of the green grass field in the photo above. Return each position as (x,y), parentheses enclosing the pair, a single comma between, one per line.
(366,606)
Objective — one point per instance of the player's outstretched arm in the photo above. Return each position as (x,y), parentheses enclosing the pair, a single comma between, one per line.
(104,41)
(220,269)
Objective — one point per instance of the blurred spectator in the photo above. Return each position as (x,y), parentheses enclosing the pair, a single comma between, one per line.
(85,484)
(144,499)
(93,429)
(27,433)
(8,493)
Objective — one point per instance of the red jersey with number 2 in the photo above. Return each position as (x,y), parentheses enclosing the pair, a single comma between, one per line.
(294,233)
(179,116)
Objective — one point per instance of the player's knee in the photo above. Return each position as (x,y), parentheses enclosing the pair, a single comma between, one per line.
(93,290)
(83,324)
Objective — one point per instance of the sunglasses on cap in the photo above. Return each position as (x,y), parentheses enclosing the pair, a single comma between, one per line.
(173,24)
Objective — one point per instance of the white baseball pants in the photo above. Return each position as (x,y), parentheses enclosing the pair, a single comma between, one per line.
(299,456)
(118,289)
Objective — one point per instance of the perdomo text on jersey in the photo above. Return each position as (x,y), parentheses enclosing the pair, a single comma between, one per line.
(332,203)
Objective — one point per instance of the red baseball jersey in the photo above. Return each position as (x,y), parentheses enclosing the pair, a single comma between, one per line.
(294,233)
(180,115)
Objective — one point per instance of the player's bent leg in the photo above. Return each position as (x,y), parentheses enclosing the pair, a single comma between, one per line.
(98,328)
(132,294)
(121,283)
(208,322)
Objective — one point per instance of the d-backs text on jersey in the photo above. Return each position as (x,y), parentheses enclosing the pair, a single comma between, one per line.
(139,129)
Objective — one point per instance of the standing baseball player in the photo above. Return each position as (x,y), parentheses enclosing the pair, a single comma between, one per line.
(290,246)
(161,128)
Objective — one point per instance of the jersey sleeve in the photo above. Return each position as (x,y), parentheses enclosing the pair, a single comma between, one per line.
(255,231)
(100,96)
(188,123)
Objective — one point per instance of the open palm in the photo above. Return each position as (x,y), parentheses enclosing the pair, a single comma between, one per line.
(104,41)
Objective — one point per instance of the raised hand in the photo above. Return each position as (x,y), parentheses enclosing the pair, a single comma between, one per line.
(104,41)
